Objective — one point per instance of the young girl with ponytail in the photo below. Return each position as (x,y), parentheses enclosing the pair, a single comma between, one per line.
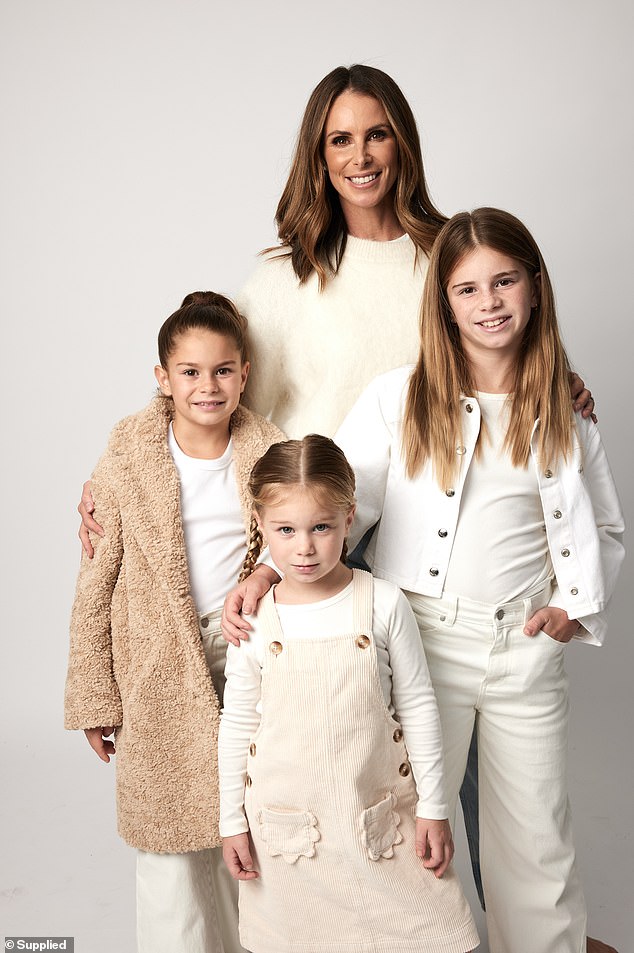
(146,655)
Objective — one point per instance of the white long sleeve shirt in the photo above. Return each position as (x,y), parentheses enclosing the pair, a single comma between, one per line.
(418,519)
(404,678)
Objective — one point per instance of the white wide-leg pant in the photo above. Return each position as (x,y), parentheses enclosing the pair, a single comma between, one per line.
(188,903)
(485,670)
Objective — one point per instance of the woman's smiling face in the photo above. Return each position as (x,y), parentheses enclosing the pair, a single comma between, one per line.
(360,152)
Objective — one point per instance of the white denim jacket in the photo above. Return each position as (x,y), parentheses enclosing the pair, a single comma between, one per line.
(412,543)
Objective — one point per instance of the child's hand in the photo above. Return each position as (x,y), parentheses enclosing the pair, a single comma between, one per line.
(434,844)
(236,854)
(97,741)
(554,622)
(243,600)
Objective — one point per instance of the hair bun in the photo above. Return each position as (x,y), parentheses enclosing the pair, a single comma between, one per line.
(200,297)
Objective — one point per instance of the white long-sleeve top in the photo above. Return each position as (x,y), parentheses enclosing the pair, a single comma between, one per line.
(418,519)
(314,351)
(404,678)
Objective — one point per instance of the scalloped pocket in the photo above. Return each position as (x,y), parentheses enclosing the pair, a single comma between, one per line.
(291,834)
(379,827)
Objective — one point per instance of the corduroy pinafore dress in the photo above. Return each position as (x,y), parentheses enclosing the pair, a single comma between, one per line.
(330,800)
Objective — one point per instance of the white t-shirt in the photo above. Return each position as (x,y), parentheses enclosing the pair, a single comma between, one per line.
(404,680)
(500,551)
(213,524)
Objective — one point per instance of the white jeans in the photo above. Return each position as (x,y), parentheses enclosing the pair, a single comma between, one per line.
(188,903)
(514,688)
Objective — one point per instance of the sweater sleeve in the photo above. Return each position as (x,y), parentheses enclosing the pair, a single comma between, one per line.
(92,696)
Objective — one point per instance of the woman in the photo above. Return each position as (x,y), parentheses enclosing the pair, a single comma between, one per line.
(338,302)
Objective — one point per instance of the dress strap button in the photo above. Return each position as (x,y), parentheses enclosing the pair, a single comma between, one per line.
(275,648)
(363,641)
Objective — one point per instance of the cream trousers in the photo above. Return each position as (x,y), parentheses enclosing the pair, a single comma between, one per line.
(188,903)
(514,688)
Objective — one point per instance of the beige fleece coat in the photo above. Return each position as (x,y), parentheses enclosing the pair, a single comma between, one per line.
(136,655)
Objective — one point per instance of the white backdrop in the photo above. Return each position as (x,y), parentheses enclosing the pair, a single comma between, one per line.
(145,144)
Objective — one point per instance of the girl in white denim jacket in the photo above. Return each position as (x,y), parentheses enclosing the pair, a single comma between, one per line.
(499,517)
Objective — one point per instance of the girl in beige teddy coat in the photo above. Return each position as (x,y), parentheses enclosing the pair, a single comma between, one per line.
(145,637)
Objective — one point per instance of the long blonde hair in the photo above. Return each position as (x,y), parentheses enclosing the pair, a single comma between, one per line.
(309,217)
(432,421)
(316,463)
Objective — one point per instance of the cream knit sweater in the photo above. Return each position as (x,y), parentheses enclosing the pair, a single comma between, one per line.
(314,352)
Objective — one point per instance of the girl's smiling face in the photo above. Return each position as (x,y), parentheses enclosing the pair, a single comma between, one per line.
(305,537)
(205,377)
(491,297)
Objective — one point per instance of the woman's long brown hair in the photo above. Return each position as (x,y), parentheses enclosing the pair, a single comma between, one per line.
(309,217)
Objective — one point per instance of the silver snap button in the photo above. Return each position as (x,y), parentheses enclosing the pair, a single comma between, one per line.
(469,408)
(557,514)
(443,618)
(574,591)
(499,614)
(580,470)
(565,552)
(450,492)
(442,533)
(433,571)
(461,450)
(548,474)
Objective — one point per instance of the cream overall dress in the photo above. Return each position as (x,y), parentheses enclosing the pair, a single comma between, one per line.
(330,800)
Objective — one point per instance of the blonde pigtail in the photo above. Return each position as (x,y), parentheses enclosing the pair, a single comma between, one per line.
(253,550)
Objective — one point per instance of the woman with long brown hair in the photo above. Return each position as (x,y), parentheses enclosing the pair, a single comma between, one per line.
(336,302)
